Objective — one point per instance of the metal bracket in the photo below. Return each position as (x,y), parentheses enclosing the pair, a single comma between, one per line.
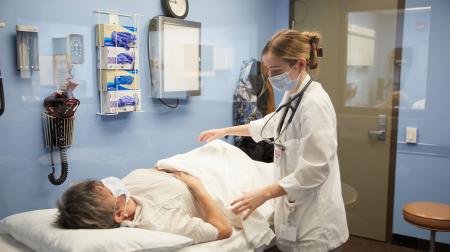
(113,19)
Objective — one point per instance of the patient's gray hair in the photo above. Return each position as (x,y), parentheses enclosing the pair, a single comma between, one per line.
(82,206)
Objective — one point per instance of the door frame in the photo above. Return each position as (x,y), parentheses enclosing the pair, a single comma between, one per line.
(394,114)
(394,122)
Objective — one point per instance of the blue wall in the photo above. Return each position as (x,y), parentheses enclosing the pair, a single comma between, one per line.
(116,145)
(423,169)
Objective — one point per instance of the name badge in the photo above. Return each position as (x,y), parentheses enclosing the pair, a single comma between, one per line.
(288,233)
(277,153)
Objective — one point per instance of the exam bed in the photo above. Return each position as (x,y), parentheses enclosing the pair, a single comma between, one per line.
(35,231)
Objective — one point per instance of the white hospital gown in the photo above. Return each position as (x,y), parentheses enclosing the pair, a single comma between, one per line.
(165,204)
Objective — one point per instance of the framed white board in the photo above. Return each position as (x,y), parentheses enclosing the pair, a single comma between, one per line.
(175,57)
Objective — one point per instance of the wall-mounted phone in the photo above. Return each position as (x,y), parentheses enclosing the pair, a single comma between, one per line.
(2,94)
(58,122)
(27,50)
(76,48)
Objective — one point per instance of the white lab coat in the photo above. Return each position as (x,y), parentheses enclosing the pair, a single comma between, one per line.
(308,170)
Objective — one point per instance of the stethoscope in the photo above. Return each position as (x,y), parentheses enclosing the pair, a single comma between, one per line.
(287,105)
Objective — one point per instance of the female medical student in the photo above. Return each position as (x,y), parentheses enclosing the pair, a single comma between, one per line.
(309,209)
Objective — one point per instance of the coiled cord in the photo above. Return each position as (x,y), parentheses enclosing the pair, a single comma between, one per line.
(62,153)
(2,97)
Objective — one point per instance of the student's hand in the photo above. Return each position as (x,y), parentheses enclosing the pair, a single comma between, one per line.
(250,201)
(210,135)
(191,182)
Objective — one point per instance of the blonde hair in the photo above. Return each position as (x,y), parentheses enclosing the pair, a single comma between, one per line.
(82,206)
(267,87)
(292,45)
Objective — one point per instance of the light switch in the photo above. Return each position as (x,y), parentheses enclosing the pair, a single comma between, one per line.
(411,135)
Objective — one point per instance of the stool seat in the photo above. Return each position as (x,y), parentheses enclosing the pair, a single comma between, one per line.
(428,215)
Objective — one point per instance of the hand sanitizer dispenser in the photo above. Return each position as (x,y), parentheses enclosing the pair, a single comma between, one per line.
(27,50)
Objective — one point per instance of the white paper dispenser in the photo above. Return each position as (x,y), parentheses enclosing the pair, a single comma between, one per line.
(27,50)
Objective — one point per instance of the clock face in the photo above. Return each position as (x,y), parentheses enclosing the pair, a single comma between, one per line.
(178,7)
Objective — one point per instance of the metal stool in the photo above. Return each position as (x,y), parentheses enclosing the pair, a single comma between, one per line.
(428,215)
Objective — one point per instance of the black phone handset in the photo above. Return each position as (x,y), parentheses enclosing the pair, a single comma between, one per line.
(60,110)
(2,95)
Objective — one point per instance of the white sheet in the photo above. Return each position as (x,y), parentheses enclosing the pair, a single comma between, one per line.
(237,242)
(226,172)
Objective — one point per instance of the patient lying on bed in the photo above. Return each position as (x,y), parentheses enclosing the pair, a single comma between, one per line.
(173,202)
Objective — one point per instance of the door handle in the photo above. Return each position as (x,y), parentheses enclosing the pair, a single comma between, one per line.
(380,132)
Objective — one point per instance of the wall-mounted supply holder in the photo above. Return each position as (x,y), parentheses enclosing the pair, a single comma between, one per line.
(27,50)
(118,63)
(58,133)
(52,126)
(58,125)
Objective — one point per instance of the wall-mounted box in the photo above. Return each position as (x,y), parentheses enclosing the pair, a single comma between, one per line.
(117,58)
(111,80)
(105,32)
(175,60)
(121,101)
(27,50)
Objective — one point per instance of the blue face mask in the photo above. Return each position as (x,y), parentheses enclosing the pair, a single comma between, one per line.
(117,188)
(282,82)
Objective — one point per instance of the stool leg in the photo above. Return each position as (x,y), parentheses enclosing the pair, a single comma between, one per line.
(432,240)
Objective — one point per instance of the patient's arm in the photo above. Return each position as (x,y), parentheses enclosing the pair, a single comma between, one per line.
(214,215)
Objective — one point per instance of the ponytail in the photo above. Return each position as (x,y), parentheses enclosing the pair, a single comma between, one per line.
(314,51)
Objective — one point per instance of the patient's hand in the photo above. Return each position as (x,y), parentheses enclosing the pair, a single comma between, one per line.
(191,182)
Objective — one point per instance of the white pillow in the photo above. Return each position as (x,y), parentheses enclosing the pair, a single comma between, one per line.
(36,230)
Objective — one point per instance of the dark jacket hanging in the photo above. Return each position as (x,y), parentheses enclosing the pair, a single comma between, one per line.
(251,101)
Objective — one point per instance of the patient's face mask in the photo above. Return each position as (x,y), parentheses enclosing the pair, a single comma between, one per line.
(117,188)
(282,82)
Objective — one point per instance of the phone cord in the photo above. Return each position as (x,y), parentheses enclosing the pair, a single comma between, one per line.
(2,96)
(62,154)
